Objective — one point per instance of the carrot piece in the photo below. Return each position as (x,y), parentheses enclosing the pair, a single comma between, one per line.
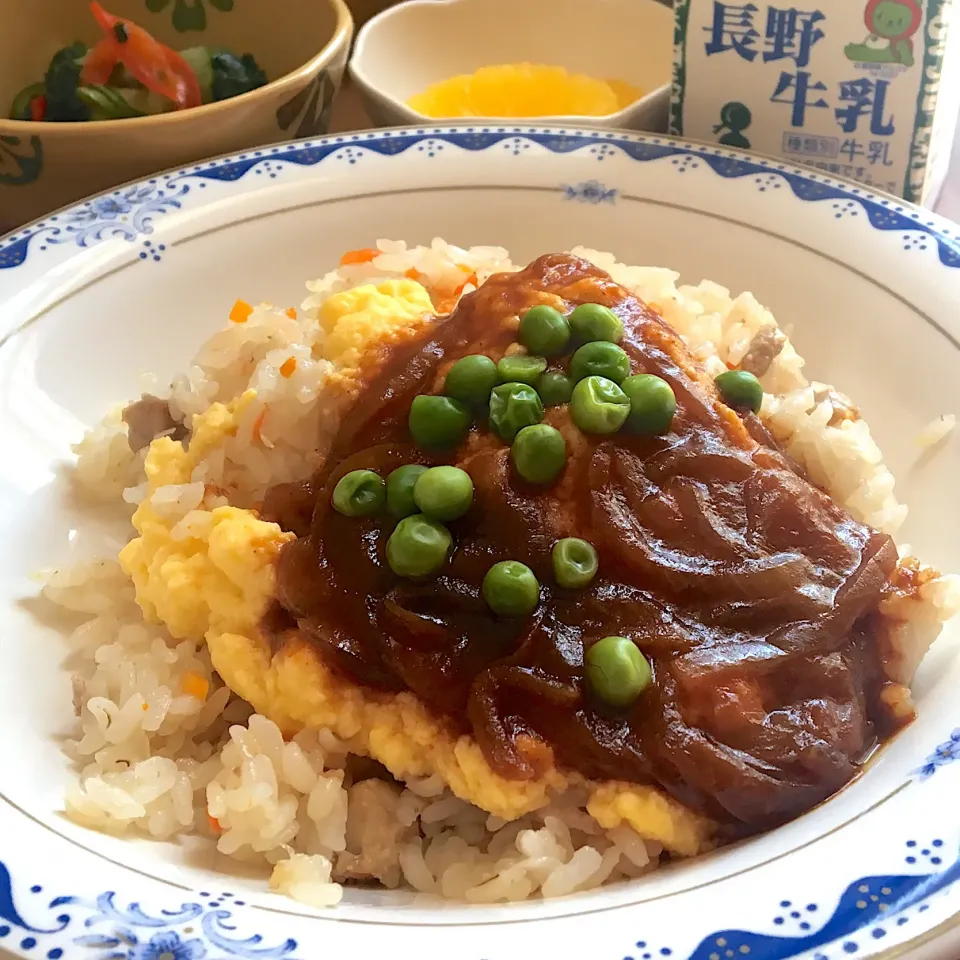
(365,255)
(413,274)
(100,61)
(288,367)
(471,279)
(159,68)
(194,685)
(291,312)
(214,823)
(241,312)
(38,108)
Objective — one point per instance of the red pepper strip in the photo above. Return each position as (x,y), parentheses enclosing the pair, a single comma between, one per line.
(38,108)
(99,63)
(156,66)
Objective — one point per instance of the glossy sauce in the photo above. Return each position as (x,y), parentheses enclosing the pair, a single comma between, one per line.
(747,588)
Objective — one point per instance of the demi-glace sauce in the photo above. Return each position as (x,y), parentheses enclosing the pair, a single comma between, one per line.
(751,593)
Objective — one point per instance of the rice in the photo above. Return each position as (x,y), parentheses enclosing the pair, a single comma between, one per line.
(106,467)
(936,430)
(164,749)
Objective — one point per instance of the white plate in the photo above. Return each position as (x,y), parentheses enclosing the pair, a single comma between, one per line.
(134,280)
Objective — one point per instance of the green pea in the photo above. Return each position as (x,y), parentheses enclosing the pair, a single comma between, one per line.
(539,453)
(617,671)
(544,330)
(514,406)
(418,546)
(740,389)
(471,379)
(511,589)
(438,421)
(574,562)
(400,484)
(652,403)
(444,493)
(521,369)
(359,493)
(598,405)
(554,387)
(592,321)
(600,359)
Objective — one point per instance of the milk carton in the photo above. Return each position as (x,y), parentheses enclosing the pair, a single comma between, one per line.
(863,89)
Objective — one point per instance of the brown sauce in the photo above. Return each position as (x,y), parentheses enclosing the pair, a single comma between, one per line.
(748,589)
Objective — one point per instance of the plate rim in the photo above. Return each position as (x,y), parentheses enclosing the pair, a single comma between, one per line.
(937,222)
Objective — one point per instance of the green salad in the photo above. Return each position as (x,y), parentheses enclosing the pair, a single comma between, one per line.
(130,74)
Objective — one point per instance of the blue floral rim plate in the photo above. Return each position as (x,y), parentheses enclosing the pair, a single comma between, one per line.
(135,278)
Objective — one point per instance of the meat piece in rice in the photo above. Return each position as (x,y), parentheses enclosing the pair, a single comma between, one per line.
(374,834)
(149,418)
(841,406)
(764,348)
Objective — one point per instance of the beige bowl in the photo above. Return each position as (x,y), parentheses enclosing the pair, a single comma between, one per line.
(301,45)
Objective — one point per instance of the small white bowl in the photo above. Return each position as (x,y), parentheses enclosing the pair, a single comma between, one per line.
(405,49)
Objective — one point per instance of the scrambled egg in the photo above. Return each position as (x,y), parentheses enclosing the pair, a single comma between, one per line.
(371,315)
(215,580)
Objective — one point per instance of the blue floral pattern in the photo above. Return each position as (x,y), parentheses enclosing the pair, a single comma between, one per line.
(590,191)
(105,218)
(868,909)
(108,208)
(125,214)
(168,946)
(946,752)
(189,931)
